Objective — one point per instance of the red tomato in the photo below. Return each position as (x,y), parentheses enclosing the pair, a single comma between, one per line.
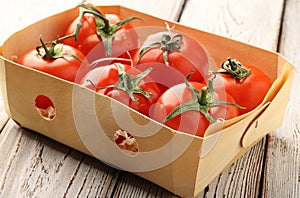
(65,66)
(248,92)
(45,107)
(177,54)
(87,37)
(191,121)
(112,76)
(124,38)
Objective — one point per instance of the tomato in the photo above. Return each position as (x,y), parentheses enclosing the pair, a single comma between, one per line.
(87,37)
(193,107)
(125,84)
(63,61)
(45,107)
(177,54)
(102,35)
(248,90)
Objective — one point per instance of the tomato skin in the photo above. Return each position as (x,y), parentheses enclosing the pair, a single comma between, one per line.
(108,75)
(125,39)
(248,92)
(87,37)
(43,102)
(67,68)
(191,122)
(191,57)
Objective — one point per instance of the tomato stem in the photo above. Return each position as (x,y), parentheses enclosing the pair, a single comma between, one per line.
(201,102)
(104,29)
(128,84)
(235,69)
(203,98)
(107,32)
(54,51)
(46,53)
(166,44)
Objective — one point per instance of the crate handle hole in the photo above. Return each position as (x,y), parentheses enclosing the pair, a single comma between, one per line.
(45,107)
(126,142)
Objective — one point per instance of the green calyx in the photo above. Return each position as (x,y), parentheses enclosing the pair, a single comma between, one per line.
(166,44)
(104,29)
(201,102)
(55,51)
(128,84)
(235,69)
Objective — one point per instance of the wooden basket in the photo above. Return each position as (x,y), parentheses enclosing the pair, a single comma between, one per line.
(181,163)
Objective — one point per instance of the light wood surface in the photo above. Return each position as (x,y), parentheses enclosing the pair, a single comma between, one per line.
(32,165)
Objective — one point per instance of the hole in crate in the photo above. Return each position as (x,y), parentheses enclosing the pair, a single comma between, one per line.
(45,107)
(126,142)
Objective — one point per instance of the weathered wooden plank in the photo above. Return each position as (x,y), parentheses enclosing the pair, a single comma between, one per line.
(283,154)
(17,11)
(241,179)
(34,166)
(130,186)
(93,179)
(166,9)
(257,23)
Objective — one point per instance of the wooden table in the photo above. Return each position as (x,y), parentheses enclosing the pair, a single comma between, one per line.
(32,165)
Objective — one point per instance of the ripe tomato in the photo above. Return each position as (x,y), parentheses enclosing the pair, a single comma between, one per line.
(63,61)
(177,54)
(125,84)
(247,90)
(45,107)
(193,107)
(110,35)
(87,36)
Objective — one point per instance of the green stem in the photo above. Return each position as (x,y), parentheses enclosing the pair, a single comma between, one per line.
(203,98)
(166,44)
(201,102)
(47,53)
(55,51)
(235,69)
(128,84)
(104,29)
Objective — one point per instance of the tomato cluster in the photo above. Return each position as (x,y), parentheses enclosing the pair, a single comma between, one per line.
(167,77)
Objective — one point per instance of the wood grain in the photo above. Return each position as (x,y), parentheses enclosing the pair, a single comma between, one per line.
(241,179)
(17,11)
(283,154)
(165,9)
(254,22)
(129,186)
(44,168)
